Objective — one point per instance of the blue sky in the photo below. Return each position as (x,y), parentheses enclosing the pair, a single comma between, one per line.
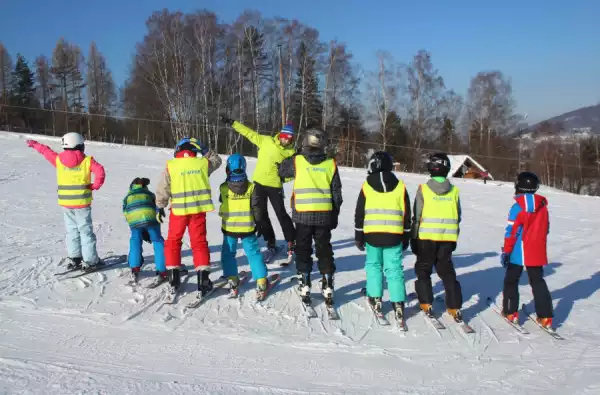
(550,49)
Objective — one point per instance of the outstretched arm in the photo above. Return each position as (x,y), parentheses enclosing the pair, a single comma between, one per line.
(252,135)
(46,151)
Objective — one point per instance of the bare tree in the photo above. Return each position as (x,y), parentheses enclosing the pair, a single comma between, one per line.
(101,93)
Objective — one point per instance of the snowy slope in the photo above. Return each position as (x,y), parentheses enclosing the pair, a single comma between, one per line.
(96,335)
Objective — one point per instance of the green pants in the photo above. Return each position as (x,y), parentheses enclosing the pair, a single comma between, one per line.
(386,260)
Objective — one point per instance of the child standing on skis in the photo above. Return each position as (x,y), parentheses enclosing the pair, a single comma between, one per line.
(139,209)
(74,178)
(434,234)
(525,246)
(268,184)
(382,225)
(185,183)
(316,203)
(240,212)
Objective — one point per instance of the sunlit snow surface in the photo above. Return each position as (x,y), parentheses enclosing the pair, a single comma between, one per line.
(95,334)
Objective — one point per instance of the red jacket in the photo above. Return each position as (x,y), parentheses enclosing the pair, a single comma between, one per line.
(527,231)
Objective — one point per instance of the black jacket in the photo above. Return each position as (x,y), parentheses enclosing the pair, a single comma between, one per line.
(381,182)
(287,169)
(239,188)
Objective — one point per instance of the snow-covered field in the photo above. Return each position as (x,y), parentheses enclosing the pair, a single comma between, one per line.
(96,335)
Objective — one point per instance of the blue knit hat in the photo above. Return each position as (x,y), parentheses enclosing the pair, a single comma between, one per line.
(287,131)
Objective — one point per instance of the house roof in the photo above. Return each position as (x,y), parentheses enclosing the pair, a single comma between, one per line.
(456,161)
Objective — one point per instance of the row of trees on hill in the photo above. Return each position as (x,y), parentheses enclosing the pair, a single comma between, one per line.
(190,68)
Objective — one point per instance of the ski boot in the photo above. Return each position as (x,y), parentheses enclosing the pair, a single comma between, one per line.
(291,246)
(375,303)
(160,278)
(304,288)
(398,308)
(74,263)
(545,323)
(327,289)
(234,282)
(134,275)
(204,283)
(174,278)
(427,309)
(262,285)
(512,317)
(90,266)
(456,315)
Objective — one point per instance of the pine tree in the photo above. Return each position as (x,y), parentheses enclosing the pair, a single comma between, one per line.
(23,94)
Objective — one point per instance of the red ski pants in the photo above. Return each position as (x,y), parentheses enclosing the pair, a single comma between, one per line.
(196,224)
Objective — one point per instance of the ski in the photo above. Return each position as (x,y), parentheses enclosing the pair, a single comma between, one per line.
(496,309)
(332,313)
(174,294)
(287,261)
(379,316)
(437,324)
(156,281)
(549,331)
(220,283)
(309,310)
(272,281)
(104,263)
(401,322)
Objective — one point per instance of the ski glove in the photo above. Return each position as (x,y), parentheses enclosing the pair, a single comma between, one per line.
(146,236)
(160,215)
(453,246)
(414,246)
(505,259)
(31,143)
(226,120)
(360,245)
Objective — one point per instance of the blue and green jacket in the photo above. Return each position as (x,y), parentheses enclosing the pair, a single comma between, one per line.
(139,207)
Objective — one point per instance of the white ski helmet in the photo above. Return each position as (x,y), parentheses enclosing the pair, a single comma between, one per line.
(72,141)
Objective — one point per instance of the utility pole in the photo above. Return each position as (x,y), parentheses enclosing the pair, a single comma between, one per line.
(281,88)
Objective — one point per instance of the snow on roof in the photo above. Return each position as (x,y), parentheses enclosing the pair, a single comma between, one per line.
(456,161)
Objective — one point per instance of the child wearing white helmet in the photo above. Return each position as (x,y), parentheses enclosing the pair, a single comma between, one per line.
(74,178)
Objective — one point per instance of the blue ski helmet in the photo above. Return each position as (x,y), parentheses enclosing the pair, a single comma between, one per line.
(236,168)
(191,144)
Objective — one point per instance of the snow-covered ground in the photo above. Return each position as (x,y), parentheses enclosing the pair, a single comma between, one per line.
(94,334)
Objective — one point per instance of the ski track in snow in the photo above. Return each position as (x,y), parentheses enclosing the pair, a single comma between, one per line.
(96,334)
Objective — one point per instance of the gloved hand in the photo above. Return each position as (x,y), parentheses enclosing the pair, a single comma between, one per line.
(31,143)
(226,120)
(360,245)
(334,219)
(160,215)
(146,236)
(414,246)
(405,244)
(505,259)
(453,246)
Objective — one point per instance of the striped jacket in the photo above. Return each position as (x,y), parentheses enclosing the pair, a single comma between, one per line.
(139,207)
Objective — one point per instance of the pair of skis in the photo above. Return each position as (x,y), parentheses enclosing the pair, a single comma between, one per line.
(308,308)
(380,316)
(106,262)
(437,324)
(518,326)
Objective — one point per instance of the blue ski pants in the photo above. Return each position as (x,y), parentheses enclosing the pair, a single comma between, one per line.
(252,250)
(386,260)
(81,240)
(135,247)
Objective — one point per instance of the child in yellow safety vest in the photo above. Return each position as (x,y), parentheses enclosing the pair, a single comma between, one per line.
(382,225)
(434,234)
(74,172)
(240,211)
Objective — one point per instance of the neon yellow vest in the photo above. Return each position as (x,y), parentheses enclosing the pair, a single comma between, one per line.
(235,210)
(190,188)
(74,183)
(439,218)
(312,185)
(384,211)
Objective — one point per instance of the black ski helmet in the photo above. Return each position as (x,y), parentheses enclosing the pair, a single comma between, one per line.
(527,182)
(380,161)
(315,139)
(438,164)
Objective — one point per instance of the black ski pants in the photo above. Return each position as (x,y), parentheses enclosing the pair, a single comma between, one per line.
(438,254)
(541,294)
(305,234)
(275,195)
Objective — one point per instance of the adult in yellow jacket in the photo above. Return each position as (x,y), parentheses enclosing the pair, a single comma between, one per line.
(267,183)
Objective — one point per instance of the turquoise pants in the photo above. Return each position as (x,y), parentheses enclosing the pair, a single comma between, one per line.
(386,260)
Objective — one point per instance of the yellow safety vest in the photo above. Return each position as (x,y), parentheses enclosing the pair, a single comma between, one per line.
(74,183)
(235,210)
(190,188)
(384,211)
(312,185)
(439,218)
